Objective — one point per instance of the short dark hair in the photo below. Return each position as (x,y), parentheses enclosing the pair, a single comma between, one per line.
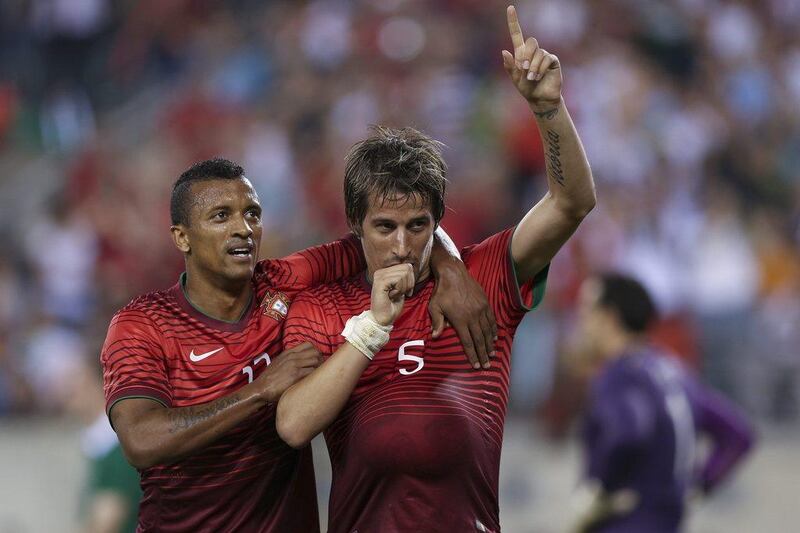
(392,161)
(210,169)
(629,300)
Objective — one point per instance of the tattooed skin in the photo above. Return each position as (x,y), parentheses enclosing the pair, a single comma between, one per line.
(547,115)
(186,418)
(553,155)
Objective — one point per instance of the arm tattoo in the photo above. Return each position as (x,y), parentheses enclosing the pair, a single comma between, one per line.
(550,114)
(553,156)
(189,416)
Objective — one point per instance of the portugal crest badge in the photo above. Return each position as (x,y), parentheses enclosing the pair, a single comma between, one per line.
(275,304)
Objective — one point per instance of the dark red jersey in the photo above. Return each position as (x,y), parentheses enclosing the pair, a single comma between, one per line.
(417,446)
(162,348)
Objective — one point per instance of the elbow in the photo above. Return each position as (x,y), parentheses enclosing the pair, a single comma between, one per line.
(139,453)
(291,430)
(578,208)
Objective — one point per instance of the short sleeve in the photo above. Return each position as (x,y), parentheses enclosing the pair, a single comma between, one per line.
(133,360)
(307,321)
(491,264)
(314,266)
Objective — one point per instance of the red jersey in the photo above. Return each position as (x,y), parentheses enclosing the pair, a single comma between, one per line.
(417,446)
(160,347)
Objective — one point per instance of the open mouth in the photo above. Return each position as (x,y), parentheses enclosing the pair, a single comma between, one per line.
(241,252)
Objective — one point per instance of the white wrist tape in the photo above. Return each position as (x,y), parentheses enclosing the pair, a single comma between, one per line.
(365,334)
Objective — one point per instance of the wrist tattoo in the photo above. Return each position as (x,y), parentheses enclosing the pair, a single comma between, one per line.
(553,155)
(190,416)
(550,114)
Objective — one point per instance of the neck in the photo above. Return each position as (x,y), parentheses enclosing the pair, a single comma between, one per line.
(226,302)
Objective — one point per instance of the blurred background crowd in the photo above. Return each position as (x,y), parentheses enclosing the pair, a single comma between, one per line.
(689,111)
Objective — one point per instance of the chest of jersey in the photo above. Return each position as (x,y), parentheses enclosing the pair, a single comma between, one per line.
(420,407)
(205,363)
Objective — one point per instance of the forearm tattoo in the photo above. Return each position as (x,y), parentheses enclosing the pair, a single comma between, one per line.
(189,416)
(550,114)
(553,155)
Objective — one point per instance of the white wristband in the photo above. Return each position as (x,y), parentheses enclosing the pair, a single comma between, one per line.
(365,334)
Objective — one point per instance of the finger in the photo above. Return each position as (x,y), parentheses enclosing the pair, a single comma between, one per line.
(536,61)
(510,67)
(486,332)
(508,61)
(492,321)
(410,280)
(480,345)
(548,62)
(517,39)
(469,349)
(531,47)
(437,323)
(310,362)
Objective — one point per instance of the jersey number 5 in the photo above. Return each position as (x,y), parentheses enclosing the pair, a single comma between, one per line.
(401,356)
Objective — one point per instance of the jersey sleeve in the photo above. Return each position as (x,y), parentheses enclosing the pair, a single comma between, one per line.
(315,266)
(730,434)
(491,264)
(133,360)
(307,321)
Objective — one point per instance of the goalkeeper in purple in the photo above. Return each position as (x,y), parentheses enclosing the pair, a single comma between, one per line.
(644,418)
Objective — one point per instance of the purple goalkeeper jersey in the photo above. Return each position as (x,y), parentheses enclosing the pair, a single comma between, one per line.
(643,422)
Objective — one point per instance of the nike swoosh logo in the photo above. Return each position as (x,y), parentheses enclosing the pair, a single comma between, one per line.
(200,356)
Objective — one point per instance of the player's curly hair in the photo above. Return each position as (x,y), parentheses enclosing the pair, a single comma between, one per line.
(210,169)
(391,162)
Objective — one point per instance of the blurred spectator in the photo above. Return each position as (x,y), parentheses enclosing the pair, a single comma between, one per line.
(62,247)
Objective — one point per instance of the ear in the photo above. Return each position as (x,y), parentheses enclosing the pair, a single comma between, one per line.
(181,238)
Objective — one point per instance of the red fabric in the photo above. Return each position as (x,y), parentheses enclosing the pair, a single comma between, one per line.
(249,480)
(418,443)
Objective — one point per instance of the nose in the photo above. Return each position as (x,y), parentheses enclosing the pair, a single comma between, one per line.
(242,229)
(401,244)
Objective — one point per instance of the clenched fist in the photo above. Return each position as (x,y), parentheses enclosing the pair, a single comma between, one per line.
(390,286)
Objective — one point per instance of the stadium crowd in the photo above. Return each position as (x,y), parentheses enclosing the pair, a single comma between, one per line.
(688,110)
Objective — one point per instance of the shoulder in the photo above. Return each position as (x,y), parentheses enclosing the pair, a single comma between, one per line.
(498,242)
(328,298)
(145,311)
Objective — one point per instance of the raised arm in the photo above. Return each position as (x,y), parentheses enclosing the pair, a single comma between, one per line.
(536,74)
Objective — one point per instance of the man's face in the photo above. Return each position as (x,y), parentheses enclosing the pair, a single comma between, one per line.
(398,230)
(224,230)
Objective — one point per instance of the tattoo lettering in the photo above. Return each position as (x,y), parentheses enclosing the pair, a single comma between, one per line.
(550,114)
(190,416)
(553,155)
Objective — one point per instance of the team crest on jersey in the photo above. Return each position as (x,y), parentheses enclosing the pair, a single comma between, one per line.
(275,305)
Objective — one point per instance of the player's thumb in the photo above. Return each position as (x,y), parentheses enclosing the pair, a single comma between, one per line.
(508,61)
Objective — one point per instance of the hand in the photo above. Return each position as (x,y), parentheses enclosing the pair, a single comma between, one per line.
(390,286)
(288,368)
(605,506)
(535,72)
(459,299)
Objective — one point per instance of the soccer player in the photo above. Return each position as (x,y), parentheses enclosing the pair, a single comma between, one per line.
(414,435)
(192,373)
(644,418)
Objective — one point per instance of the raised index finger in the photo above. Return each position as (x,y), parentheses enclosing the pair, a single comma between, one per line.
(513,28)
